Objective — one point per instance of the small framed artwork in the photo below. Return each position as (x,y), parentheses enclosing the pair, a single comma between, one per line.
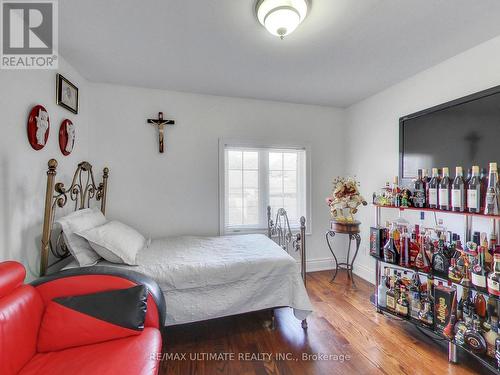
(67,94)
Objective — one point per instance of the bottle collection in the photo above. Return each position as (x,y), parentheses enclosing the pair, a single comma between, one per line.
(440,253)
(478,192)
(471,320)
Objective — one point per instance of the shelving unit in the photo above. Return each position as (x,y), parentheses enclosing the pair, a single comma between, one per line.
(452,346)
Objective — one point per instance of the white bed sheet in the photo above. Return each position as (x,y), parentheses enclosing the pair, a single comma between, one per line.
(210,277)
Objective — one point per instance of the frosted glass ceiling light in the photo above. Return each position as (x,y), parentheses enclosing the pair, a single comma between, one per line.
(281,17)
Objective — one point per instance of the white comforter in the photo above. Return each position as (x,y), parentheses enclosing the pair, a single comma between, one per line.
(210,277)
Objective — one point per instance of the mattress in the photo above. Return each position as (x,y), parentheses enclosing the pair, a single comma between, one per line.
(210,277)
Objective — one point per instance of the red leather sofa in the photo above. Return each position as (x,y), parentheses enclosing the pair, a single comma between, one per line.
(24,310)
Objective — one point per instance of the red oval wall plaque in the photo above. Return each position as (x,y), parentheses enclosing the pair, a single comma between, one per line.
(67,135)
(38,127)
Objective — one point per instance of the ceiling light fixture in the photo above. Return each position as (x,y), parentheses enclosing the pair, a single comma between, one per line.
(281,17)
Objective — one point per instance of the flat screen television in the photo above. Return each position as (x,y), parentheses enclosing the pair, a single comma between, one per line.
(463,132)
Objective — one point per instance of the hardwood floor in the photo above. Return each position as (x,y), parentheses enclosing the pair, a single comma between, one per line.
(344,326)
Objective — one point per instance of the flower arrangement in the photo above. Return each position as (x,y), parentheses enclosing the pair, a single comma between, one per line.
(345,199)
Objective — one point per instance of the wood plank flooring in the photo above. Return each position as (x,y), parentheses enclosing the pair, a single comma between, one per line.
(345,336)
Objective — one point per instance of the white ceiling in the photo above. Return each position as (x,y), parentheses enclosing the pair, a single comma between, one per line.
(344,51)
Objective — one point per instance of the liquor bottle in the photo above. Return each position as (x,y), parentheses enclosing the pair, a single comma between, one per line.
(491,308)
(419,193)
(476,239)
(404,248)
(491,327)
(444,190)
(497,351)
(494,277)
(390,296)
(491,337)
(488,260)
(460,305)
(492,246)
(448,331)
(491,204)
(414,249)
(422,261)
(478,274)
(416,303)
(469,176)
(458,191)
(474,191)
(484,185)
(473,338)
(396,192)
(454,272)
(466,296)
(397,239)
(433,189)
(397,286)
(480,305)
(425,176)
(440,262)
(402,307)
(382,293)
(391,254)
(426,315)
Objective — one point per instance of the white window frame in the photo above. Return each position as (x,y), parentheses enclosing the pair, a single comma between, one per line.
(258,144)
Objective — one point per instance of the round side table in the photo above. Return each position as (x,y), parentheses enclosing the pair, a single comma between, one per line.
(352,230)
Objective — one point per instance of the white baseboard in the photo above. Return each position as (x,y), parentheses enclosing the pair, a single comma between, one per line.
(364,272)
(321,264)
(324,264)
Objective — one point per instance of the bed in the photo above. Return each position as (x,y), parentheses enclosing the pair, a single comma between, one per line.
(201,277)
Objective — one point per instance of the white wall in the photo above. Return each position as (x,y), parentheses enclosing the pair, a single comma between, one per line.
(177,192)
(372,125)
(22,169)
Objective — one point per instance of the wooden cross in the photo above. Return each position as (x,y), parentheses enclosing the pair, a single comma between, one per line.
(160,123)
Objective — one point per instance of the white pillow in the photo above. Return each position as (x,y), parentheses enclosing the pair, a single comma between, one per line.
(115,242)
(78,221)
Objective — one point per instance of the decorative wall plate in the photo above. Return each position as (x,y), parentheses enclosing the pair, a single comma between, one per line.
(67,134)
(38,127)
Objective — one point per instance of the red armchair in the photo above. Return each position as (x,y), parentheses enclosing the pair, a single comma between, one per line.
(24,312)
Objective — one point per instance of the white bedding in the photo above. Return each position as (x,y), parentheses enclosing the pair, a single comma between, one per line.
(210,277)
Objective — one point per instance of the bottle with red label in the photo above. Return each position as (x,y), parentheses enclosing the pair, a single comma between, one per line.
(494,277)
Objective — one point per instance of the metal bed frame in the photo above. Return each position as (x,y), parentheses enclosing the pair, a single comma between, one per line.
(83,190)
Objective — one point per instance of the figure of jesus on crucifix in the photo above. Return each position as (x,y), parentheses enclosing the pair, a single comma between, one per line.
(160,123)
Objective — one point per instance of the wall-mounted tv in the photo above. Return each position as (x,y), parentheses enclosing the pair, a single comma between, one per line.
(463,132)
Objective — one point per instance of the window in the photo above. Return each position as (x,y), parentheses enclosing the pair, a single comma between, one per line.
(255,177)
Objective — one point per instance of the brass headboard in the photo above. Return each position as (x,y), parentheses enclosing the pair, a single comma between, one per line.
(81,191)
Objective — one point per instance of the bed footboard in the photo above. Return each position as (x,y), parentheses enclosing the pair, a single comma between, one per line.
(279,231)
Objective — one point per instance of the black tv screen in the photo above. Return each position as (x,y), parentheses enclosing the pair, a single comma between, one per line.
(463,132)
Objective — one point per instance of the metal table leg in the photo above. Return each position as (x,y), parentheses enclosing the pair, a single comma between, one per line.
(348,265)
(331,234)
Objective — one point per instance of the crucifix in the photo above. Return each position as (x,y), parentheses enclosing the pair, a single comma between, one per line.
(160,123)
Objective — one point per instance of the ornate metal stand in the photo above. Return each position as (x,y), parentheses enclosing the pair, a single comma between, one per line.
(352,230)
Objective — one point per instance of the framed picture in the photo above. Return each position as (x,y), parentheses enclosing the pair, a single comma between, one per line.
(67,94)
